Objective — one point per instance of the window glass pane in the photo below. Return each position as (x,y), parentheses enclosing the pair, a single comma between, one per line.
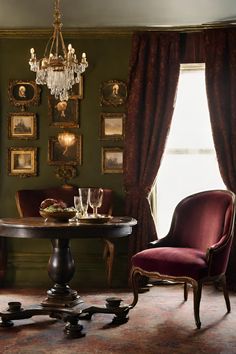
(191,123)
(189,164)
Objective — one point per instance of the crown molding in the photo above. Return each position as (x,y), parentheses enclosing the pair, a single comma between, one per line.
(67,32)
(102,32)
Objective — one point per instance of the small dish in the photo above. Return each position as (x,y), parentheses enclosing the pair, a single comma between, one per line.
(101,219)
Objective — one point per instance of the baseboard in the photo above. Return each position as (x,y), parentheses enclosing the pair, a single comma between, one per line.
(30,270)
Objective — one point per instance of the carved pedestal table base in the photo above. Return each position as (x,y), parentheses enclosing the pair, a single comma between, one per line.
(62,302)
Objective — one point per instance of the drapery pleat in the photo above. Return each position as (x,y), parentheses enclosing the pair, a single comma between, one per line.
(221,92)
(154,72)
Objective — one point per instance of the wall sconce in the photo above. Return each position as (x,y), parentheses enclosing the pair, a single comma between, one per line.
(66,139)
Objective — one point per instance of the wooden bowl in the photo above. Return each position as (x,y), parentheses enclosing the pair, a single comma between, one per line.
(58,215)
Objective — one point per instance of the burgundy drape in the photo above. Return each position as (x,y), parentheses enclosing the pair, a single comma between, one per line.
(154,72)
(221,92)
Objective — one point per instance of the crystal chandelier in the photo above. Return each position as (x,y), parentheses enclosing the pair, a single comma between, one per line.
(59,69)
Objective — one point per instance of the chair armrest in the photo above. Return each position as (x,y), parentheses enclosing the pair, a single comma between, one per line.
(217,256)
(217,246)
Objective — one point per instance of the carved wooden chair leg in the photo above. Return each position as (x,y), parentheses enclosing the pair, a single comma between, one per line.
(197,292)
(226,294)
(108,256)
(185,291)
(135,285)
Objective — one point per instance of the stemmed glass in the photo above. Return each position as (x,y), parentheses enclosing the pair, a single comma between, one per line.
(78,207)
(84,197)
(95,200)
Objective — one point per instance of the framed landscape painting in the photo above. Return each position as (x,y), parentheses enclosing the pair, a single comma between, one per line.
(112,125)
(112,160)
(22,161)
(22,125)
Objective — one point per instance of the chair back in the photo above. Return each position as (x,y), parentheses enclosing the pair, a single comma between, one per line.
(28,200)
(200,220)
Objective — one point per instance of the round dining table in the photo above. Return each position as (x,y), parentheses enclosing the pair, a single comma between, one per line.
(61,301)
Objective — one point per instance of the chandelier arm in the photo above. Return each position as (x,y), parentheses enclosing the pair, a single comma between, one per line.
(57,44)
(51,39)
(63,44)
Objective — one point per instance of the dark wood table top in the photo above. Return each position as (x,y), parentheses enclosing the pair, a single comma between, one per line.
(36,227)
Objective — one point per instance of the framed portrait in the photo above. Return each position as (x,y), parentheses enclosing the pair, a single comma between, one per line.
(63,114)
(22,162)
(112,126)
(59,155)
(112,160)
(23,93)
(113,93)
(77,90)
(22,125)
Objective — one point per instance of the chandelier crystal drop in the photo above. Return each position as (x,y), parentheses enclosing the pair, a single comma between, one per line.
(59,69)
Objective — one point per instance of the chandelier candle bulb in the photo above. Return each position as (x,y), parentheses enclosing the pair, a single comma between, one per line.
(32,52)
(84,60)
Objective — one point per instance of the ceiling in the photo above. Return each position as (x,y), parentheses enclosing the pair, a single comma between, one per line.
(115,13)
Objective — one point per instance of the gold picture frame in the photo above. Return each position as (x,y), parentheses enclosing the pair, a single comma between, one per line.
(23,93)
(22,125)
(112,160)
(112,126)
(22,161)
(58,155)
(113,93)
(77,90)
(63,114)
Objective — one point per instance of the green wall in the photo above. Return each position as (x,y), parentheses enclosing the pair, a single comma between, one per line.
(108,59)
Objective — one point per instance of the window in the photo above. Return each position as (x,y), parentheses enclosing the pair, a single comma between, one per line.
(189,162)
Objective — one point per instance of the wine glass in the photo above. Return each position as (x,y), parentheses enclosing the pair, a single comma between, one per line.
(95,200)
(78,207)
(84,197)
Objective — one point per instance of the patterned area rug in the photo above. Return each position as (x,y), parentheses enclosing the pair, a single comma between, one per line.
(161,323)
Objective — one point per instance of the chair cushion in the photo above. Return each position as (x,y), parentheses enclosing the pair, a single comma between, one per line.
(172,261)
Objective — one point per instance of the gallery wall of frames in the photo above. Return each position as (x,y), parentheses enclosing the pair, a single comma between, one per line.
(31,156)
(23,125)
(95,113)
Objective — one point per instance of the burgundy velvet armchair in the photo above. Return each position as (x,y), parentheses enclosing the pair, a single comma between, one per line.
(28,203)
(196,249)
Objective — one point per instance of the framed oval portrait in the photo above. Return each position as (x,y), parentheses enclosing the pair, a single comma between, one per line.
(113,93)
(23,93)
